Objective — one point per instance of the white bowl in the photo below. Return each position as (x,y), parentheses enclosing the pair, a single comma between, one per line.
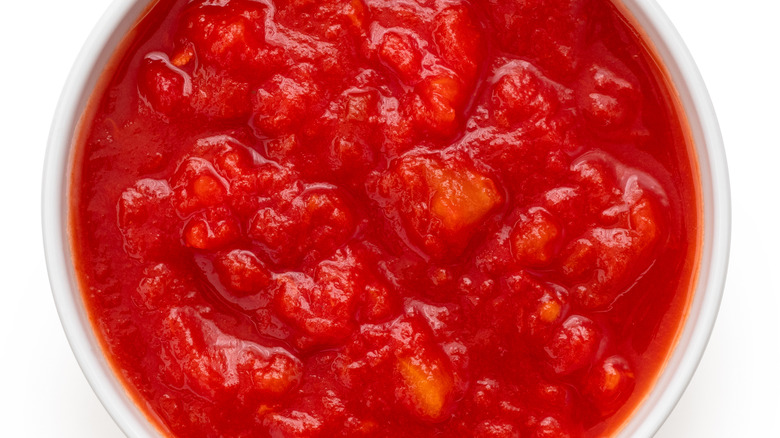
(118,21)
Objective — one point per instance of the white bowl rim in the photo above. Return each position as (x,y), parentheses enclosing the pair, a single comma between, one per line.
(716,219)
(114,24)
(659,403)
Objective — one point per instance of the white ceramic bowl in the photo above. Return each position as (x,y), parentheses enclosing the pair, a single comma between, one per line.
(671,384)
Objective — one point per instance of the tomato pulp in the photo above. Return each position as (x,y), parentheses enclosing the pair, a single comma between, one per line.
(302,218)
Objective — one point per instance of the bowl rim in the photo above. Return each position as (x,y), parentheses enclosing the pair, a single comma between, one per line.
(134,421)
(715,197)
(117,20)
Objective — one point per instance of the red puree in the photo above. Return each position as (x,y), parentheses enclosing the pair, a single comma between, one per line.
(386,218)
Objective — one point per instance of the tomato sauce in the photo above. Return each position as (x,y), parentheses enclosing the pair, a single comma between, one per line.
(302,218)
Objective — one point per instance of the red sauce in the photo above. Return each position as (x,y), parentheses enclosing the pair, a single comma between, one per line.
(386,218)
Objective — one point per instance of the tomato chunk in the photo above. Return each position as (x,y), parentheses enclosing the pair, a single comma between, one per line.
(613,101)
(196,186)
(230,35)
(441,203)
(281,104)
(535,238)
(219,96)
(213,229)
(550,427)
(311,226)
(162,286)
(610,383)
(145,217)
(521,93)
(573,345)
(242,272)
(437,103)
(458,40)
(400,53)
(294,424)
(164,87)
(322,306)
(606,257)
(216,364)
(427,387)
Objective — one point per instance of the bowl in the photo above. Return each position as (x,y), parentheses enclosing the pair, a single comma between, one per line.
(660,34)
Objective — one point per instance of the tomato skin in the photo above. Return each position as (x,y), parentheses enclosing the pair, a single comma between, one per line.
(300,218)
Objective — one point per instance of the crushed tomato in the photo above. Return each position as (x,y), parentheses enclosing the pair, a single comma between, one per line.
(315,218)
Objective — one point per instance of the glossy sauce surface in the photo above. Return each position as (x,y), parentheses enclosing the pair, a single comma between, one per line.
(386,218)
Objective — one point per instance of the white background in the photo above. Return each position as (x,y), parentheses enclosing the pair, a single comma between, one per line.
(736,391)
